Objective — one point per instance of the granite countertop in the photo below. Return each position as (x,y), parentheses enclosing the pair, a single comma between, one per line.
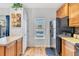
(9,39)
(69,39)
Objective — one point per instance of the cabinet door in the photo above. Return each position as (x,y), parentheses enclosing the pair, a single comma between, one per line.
(2,51)
(74,14)
(11,49)
(69,49)
(63,47)
(63,11)
(19,47)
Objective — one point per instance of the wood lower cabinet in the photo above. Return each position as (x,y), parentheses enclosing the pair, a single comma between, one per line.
(63,48)
(19,47)
(68,49)
(11,49)
(1,51)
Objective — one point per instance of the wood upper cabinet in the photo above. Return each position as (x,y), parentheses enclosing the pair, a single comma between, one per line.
(11,49)
(62,11)
(71,10)
(74,14)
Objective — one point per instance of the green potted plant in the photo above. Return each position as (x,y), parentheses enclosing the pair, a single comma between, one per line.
(17,5)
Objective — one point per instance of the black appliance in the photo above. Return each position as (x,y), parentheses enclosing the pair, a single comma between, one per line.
(58,32)
(64,21)
(51,29)
(65,26)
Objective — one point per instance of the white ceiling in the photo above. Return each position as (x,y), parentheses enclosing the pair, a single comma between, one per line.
(43,5)
(33,5)
(52,7)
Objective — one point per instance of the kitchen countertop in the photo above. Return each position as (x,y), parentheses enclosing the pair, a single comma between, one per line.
(69,39)
(9,39)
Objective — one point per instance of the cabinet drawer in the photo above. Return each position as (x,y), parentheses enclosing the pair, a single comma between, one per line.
(70,45)
(69,51)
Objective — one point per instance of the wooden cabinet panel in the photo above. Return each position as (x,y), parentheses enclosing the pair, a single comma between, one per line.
(1,51)
(19,47)
(14,48)
(74,14)
(73,9)
(63,11)
(68,49)
(11,49)
(63,48)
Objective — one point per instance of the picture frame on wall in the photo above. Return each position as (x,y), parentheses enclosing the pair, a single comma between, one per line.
(16,19)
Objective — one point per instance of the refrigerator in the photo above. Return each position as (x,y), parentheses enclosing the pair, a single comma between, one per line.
(58,32)
(55,30)
(53,34)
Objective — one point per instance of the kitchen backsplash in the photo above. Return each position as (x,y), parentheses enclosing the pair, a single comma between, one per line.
(77,30)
